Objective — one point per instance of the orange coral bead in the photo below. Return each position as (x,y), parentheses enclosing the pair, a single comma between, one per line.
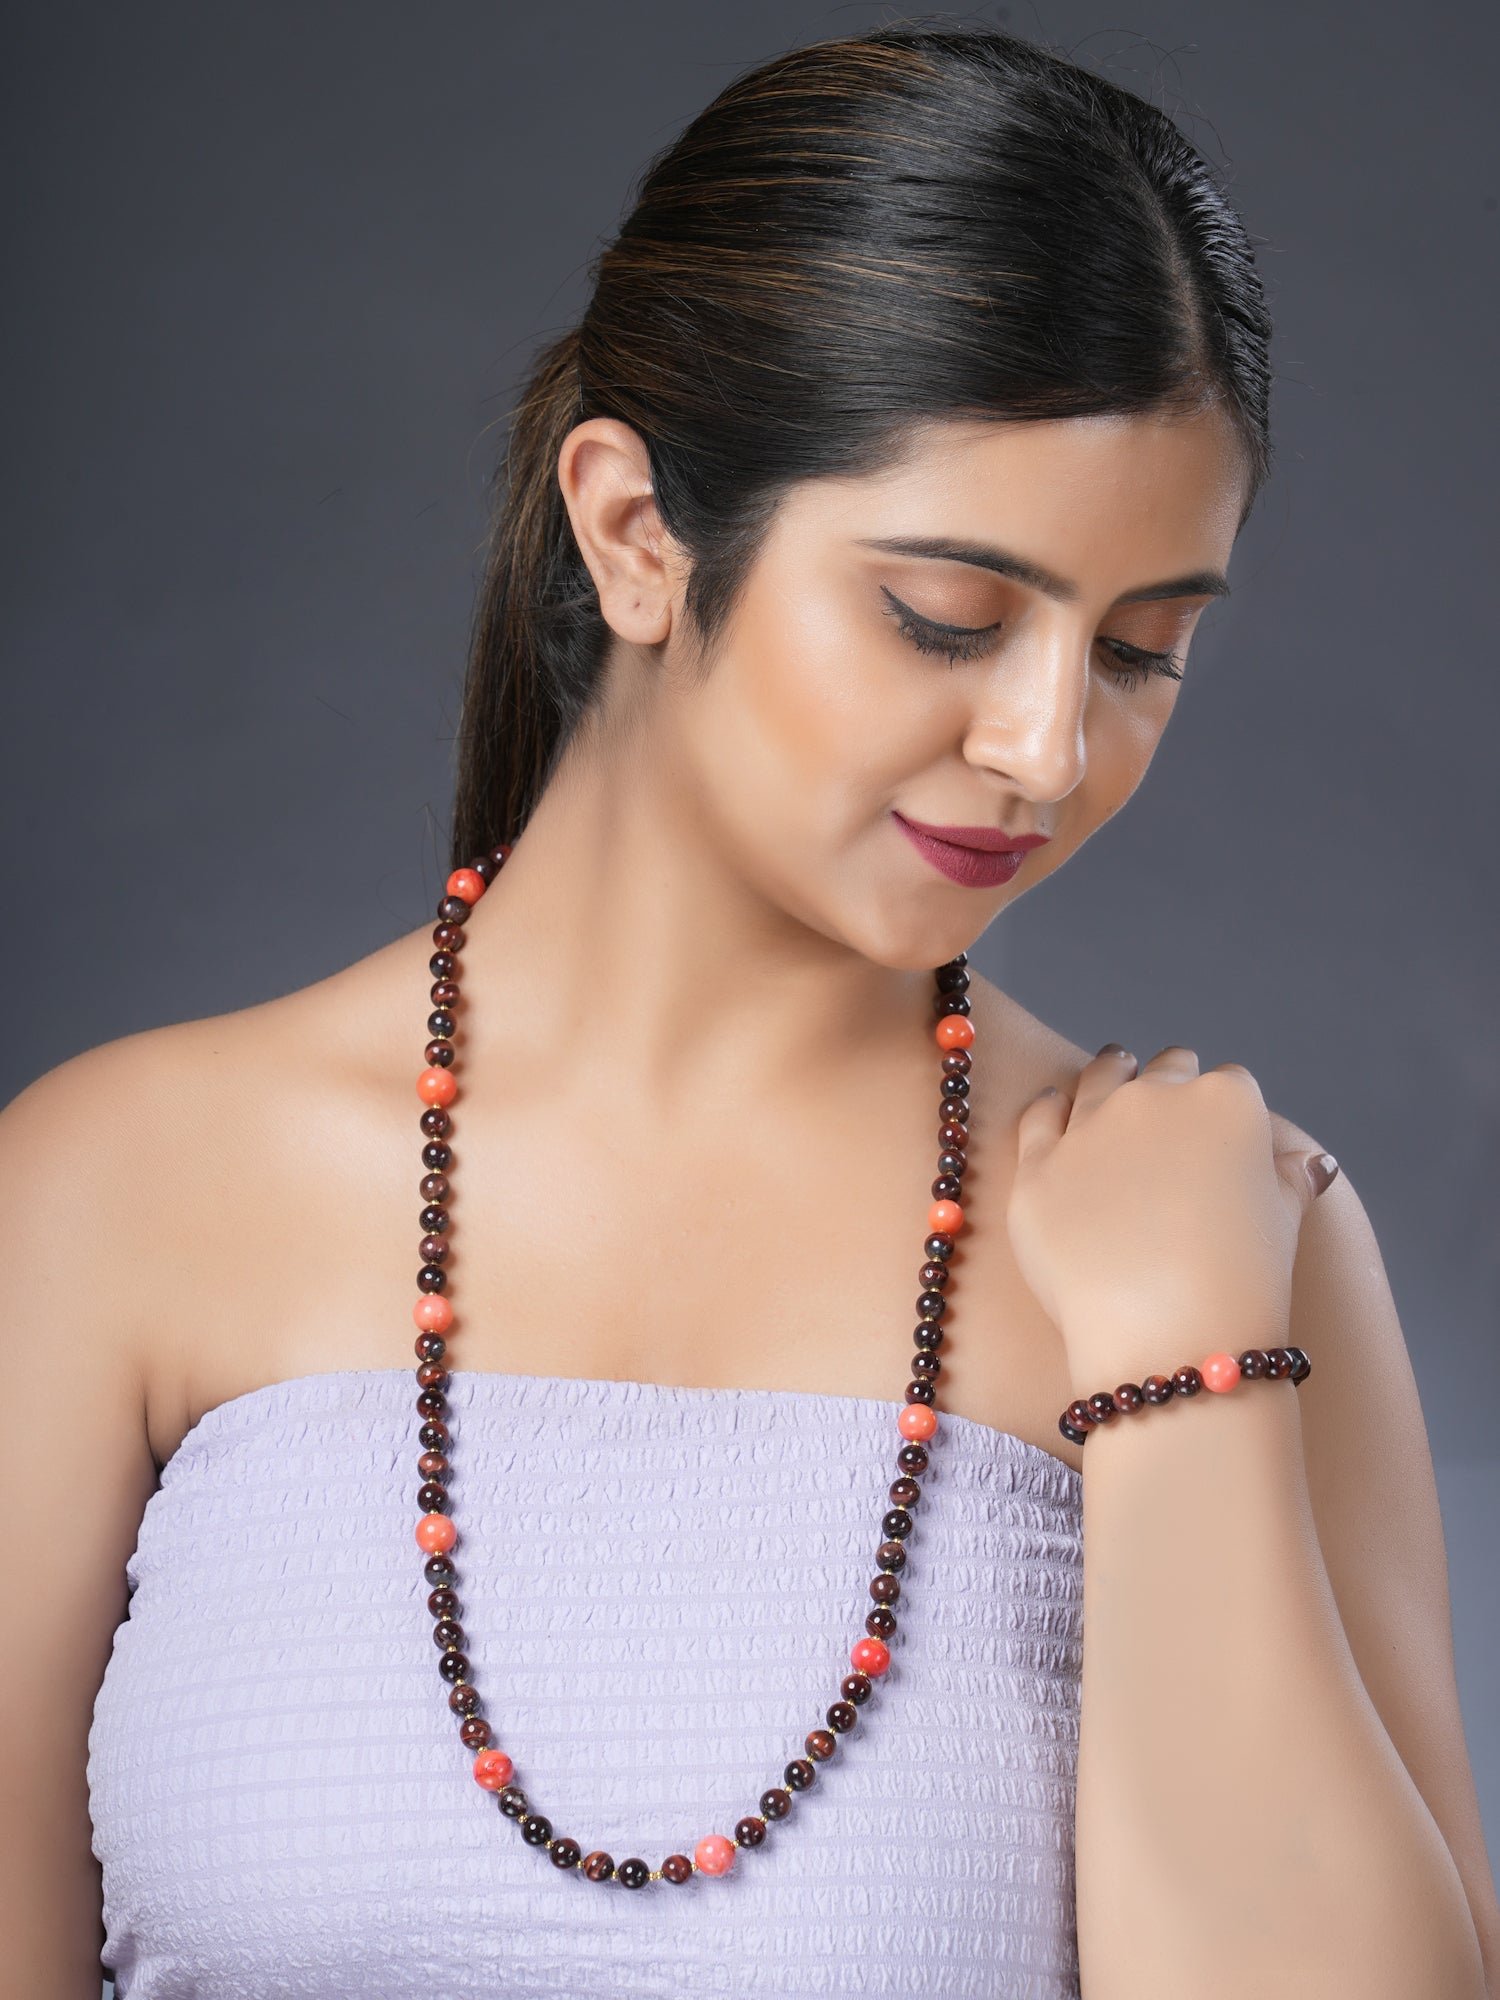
(714,1854)
(463,882)
(493,1769)
(433,1313)
(871,1656)
(436,1534)
(437,1086)
(1219,1371)
(946,1216)
(917,1421)
(955,1031)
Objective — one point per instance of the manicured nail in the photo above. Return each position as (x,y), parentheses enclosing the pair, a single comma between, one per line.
(1323,1167)
(1111,1049)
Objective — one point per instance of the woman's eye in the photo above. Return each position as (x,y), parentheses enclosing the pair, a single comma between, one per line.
(954,642)
(1130,665)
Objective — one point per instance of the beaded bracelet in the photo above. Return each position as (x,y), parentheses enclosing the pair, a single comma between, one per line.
(1219,1372)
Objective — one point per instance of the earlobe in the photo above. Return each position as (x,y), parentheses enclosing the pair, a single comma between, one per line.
(604,473)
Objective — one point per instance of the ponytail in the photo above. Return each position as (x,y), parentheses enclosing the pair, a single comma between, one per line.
(538,636)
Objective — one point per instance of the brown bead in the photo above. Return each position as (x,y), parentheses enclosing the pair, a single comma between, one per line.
(939,1245)
(443,993)
(432,1278)
(437,1155)
(432,1497)
(776,1803)
(432,1403)
(1252,1363)
(881,1622)
(430,1347)
(749,1832)
(432,1375)
(438,1054)
(536,1829)
(912,1458)
(1278,1364)
(925,1367)
(447,1633)
(565,1852)
(453,1667)
(952,1160)
(905,1492)
(443,1603)
(438,1569)
(448,937)
(896,1524)
(1186,1381)
(453,910)
(442,964)
(676,1868)
(433,1249)
(800,1774)
(433,1436)
(464,1699)
(432,1465)
(952,1133)
(921,1392)
(434,1219)
(435,1122)
(513,1802)
(927,1335)
(821,1743)
(1156,1389)
(891,1555)
(598,1866)
(434,1187)
(856,1688)
(475,1732)
(947,1187)
(1103,1408)
(633,1874)
(933,1276)
(842,1716)
(1301,1365)
(1128,1397)
(885,1589)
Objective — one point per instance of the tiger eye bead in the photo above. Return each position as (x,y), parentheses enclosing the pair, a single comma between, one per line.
(434,1188)
(842,1716)
(821,1744)
(475,1732)
(905,1492)
(1279,1364)
(750,1831)
(885,1589)
(443,1603)
(891,1555)
(464,1699)
(881,1622)
(565,1853)
(453,1667)
(1102,1407)
(776,1803)
(430,1347)
(677,1868)
(1186,1381)
(1128,1397)
(912,1458)
(438,1570)
(447,1634)
(536,1830)
(633,1874)
(513,1802)
(598,1866)
(856,1688)
(799,1774)
(1252,1363)
(896,1524)
(1156,1389)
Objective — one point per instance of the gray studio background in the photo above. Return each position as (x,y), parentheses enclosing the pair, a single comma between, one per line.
(274,273)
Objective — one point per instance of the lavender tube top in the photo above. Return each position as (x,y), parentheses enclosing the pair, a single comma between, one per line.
(660,1587)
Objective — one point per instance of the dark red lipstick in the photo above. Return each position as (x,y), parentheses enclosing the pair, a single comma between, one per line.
(977,857)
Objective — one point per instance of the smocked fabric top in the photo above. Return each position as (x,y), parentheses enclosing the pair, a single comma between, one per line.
(660,1587)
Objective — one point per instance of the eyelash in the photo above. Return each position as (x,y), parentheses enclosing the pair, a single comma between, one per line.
(961,642)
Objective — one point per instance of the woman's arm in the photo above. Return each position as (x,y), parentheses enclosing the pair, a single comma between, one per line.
(75,1473)
(1274,1792)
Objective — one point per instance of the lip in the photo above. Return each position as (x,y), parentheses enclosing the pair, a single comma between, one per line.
(976,857)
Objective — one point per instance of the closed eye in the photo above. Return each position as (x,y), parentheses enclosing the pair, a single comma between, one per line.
(1130,664)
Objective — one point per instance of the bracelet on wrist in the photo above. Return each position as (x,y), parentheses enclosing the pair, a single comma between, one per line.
(1217,1372)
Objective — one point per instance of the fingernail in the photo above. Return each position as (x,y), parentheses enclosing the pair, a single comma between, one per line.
(1323,1167)
(1111,1049)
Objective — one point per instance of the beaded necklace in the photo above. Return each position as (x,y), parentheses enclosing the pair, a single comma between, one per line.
(437,1534)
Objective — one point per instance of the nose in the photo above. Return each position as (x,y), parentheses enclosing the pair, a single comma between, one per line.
(1028,720)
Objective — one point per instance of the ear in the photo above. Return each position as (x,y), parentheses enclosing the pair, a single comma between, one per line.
(605,476)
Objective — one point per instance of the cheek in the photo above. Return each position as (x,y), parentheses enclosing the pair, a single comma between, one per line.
(818,719)
(1121,738)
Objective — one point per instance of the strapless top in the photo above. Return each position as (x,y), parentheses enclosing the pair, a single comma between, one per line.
(660,1587)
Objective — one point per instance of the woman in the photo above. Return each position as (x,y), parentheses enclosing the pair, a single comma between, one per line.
(846,566)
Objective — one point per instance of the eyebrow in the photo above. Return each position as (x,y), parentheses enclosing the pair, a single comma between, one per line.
(983,555)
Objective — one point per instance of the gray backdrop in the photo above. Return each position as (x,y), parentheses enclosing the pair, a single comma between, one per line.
(274,273)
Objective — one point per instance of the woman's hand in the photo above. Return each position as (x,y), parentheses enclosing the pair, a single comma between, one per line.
(1150,1212)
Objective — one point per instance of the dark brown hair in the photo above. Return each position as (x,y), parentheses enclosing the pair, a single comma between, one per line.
(854,238)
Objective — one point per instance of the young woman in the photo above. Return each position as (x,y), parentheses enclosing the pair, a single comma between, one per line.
(890,1502)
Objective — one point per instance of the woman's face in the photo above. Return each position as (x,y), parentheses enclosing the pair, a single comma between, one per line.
(988,635)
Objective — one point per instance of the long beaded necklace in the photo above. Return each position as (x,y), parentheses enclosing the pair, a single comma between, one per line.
(437,1534)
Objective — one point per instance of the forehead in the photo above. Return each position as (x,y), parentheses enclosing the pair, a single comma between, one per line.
(1106,501)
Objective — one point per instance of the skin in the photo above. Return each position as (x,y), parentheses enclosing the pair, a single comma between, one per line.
(699,995)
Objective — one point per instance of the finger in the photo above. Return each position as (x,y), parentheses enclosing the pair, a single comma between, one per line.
(1103,1073)
(1173,1064)
(1303,1177)
(1042,1122)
